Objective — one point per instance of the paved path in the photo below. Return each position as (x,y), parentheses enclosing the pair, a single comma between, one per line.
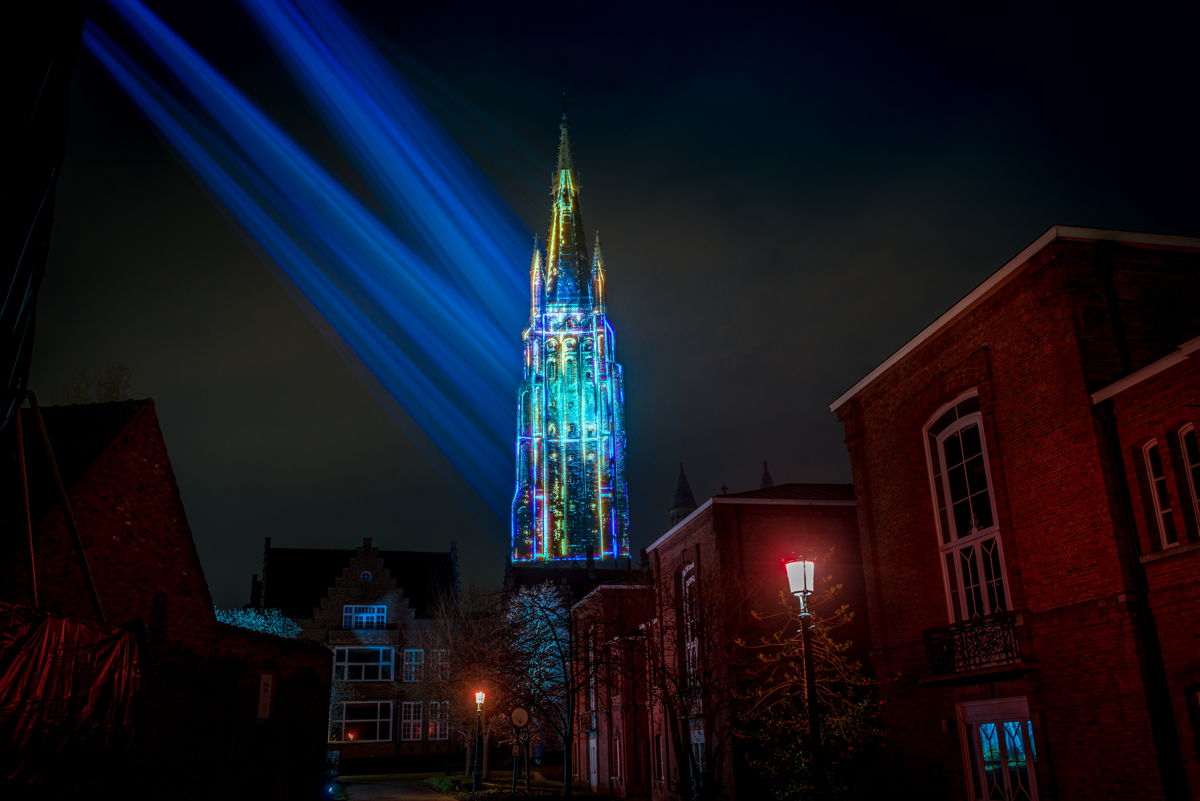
(390,788)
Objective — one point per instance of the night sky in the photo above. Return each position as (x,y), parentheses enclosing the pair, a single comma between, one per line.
(784,201)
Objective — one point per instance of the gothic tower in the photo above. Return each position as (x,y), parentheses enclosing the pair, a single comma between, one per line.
(571,498)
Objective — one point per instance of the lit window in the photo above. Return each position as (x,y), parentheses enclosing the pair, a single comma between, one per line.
(439,720)
(361,722)
(364,617)
(1190,451)
(1160,497)
(414,664)
(410,720)
(972,558)
(362,664)
(998,748)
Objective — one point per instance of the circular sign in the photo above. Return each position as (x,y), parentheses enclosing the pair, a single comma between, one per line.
(519,718)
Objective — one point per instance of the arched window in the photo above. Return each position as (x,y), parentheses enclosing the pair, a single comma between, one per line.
(1160,496)
(965,506)
(1189,451)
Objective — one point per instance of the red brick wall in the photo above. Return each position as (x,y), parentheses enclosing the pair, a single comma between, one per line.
(1034,350)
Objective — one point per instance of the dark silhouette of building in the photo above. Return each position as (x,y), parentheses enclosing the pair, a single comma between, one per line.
(1027,473)
(373,609)
(116,676)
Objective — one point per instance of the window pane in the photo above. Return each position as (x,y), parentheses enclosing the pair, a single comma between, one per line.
(972,592)
(993,772)
(962,518)
(970,442)
(958,484)
(976,474)
(968,406)
(953,448)
(981,507)
(993,574)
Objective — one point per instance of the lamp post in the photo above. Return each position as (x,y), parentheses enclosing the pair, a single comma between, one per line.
(477,765)
(800,573)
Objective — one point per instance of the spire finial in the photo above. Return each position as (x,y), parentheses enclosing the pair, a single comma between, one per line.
(767,481)
(564,103)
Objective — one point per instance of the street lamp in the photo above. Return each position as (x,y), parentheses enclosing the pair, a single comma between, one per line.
(800,574)
(478,763)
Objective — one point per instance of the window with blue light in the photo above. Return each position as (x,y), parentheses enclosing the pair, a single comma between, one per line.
(372,616)
(414,664)
(999,749)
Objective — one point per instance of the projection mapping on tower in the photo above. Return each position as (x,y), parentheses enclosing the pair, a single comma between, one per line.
(571,496)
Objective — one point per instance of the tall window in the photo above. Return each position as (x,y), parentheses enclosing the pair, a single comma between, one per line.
(972,559)
(1190,452)
(660,756)
(439,664)
(362,664)
(414,664)
(361,722)
(691,627)
(998,749)
(439,720)
(1160,497)
(364,617)
(410,720)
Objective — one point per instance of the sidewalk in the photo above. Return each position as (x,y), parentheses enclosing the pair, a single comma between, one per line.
(390,788)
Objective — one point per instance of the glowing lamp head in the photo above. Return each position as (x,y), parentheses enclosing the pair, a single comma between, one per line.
(800,573)
(350,736)
(479,696)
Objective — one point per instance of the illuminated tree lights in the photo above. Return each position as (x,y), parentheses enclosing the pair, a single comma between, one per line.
(571,496)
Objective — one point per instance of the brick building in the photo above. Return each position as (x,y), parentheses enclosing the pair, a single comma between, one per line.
(665,725)
(373,609)
(198,709)
(1026,473)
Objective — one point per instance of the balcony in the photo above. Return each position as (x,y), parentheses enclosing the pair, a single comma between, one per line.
(981,644)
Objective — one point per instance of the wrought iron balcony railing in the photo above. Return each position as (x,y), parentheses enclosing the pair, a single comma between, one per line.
(980,643)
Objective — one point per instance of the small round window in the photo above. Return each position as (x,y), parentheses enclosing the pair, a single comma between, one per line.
(367,575)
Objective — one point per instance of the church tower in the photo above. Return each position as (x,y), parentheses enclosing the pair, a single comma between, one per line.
(571,499)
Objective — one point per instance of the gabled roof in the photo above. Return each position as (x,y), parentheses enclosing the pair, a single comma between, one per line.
(798,492)
(79,435)
(296,579)
(1012,268)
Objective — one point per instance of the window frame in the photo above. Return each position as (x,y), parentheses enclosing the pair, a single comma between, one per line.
(345,665)
(413,669)
(437,724)
(950,544)
(355,617)
(1190,472)
(408,724)
(341,721)
(1160,514)
(996,711)
(691,626)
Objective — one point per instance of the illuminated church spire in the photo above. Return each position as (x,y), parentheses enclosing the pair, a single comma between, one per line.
(571,497)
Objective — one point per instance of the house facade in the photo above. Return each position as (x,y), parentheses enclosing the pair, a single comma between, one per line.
(1027,508)
(665,661)
(374,611)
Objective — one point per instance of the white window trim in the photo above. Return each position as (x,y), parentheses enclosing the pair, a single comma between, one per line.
(351,613)
(391,720)
(439,720)
(1153,489)
(406,721)
(1187,472)
(975,537)
(414,668)
(993,711)
(691,625)
(386,659)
